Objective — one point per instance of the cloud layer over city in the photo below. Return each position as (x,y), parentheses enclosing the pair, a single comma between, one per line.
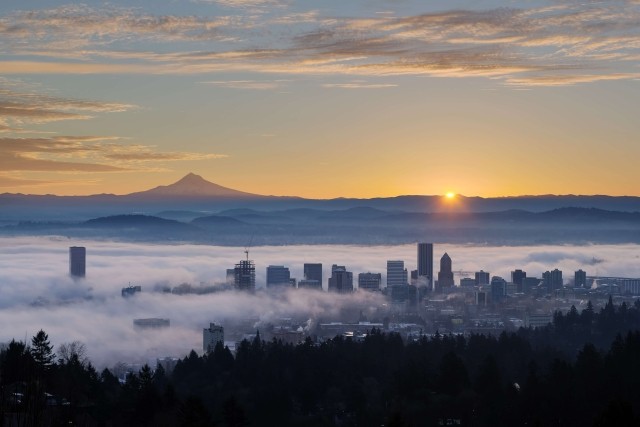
(36,291)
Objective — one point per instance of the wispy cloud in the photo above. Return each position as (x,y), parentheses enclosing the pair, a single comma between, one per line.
(21,104)
(569,80)
(245,3)
(80,25)
(359,85)
(145,154)
(85,154)
(51,154)
(527,45)
(9,181)
(246,84)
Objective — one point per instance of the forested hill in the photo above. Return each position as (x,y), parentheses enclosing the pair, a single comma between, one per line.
(549,376)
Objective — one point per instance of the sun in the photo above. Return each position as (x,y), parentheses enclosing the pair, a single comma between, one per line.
(450,195)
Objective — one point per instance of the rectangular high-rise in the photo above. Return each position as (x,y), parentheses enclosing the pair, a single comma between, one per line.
(396,273)
(212,336)
(369,281)
(341,280)
(425,262)
(77,261)
(313,272)
(482,278)
(552,280)
(580,279)
(517,277)
(278,275)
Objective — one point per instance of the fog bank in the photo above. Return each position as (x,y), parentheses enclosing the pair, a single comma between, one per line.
(36,291)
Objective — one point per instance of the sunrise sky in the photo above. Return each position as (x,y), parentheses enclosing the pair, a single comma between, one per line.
(324,98)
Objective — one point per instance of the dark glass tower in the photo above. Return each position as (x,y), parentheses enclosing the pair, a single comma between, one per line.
(77,261)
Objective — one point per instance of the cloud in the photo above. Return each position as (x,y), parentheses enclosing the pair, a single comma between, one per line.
(569,80)
(527,45)
(359,85)
(36,292)
(141,153)
(97,153)
(246,84)
(8,181)
(245,3)
(19,162)
(81,25)
(22,104)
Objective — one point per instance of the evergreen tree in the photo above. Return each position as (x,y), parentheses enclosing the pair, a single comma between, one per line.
(42,351)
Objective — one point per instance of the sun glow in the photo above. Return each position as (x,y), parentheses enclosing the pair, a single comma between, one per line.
(450,195)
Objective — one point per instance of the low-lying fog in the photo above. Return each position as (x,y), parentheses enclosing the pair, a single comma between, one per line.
(36,291)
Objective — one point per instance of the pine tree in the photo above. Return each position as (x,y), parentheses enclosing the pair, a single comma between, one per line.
(42,351)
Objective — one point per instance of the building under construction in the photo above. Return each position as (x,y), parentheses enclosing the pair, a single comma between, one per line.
(245,275)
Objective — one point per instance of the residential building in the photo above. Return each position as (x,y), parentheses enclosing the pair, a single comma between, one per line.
(212,336)
(552,280)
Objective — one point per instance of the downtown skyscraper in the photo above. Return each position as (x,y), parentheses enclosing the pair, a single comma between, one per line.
(77,261)
(425,263)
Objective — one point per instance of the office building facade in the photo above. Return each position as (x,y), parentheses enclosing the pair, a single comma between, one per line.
(369,281)
(482,278)
(313,271)
(278,276)
(341,280)
(445,275)
(396,273)
(77,261)
(425,263)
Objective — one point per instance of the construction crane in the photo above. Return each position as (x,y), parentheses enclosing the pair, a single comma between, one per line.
(246,248)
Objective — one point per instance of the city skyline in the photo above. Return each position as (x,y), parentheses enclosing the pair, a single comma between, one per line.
(282,97)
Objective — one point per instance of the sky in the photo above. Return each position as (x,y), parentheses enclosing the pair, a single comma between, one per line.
(37,293)
(321,99)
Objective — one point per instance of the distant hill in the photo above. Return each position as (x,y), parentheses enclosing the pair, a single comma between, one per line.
(217,220)
(184,216)
(356,226)
(357,213)
(134,221)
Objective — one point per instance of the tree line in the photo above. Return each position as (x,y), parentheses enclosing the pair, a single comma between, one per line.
(581,370)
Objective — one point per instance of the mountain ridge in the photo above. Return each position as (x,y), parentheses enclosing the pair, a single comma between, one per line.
(194,193)
(192,185)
